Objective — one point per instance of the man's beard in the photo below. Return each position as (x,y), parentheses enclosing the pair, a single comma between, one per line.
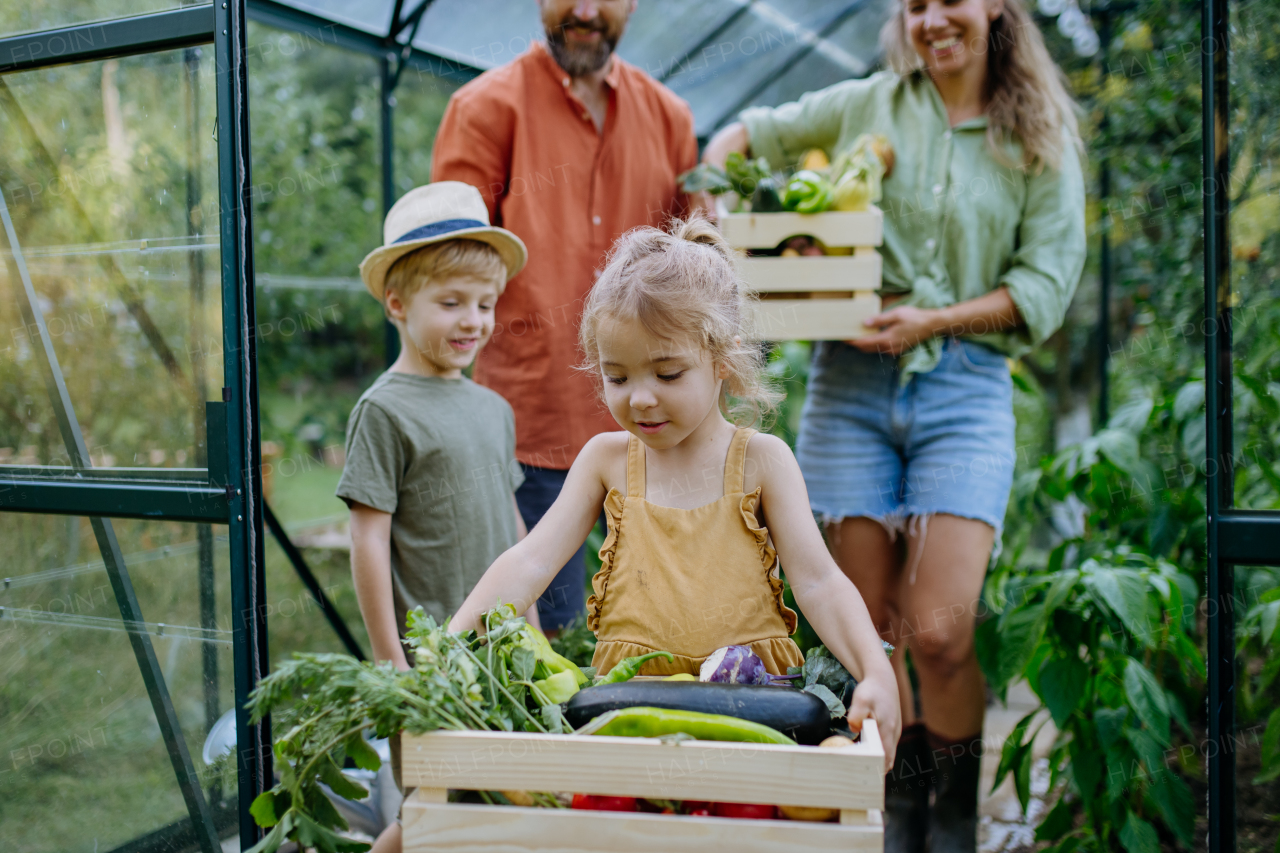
(580,61)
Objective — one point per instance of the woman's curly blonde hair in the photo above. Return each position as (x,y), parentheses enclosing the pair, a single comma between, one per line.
(681,285)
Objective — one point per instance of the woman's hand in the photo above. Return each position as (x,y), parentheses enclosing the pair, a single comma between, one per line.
(899,329)
(876,696)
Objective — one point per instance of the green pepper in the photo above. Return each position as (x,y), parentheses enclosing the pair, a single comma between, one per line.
(628,668)
(807,192)
(534,640)
(657,722)
(558,688)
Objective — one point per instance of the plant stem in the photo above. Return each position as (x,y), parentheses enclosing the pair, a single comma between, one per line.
(519,706)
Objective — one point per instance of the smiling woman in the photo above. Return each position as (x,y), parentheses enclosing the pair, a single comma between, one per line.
(910,429)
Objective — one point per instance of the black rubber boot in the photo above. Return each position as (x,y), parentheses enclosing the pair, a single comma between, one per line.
(906,793)
(953,821)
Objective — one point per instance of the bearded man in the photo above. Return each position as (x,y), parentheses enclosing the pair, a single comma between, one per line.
(571,147)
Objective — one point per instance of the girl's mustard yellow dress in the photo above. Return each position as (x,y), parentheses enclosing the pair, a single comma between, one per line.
(688,581)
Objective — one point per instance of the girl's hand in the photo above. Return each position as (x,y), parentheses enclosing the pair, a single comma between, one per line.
(876,696)
(900,329)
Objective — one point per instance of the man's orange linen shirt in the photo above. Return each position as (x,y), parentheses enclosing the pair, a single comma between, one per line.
(530,146)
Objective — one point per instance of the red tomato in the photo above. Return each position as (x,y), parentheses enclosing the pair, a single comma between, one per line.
(749,811)
(699,808)
(590,802)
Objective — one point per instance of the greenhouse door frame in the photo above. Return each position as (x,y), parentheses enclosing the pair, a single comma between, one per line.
(1234,536)
(232,494)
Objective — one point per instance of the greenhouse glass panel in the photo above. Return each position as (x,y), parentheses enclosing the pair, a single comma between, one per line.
(109,178)
(749,55)
(295,622)
(317,212)
(1254,193)
(18,18)
(421,98)
(84,763)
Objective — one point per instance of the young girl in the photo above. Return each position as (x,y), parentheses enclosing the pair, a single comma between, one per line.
(700,512)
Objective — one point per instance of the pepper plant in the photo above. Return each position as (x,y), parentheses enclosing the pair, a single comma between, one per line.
(1102,629)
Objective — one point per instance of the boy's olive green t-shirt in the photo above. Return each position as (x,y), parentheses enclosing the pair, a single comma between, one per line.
(439,455)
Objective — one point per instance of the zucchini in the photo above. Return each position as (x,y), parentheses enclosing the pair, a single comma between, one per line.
(799,715)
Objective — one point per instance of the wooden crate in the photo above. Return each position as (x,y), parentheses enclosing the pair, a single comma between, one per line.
(810,298)
(850,779)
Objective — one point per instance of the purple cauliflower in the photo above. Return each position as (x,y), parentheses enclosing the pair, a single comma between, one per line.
(738,665)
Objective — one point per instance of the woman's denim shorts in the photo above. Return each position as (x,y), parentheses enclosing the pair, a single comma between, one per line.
(871,446)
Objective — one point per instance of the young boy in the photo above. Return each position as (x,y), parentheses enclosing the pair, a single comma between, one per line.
(431,473)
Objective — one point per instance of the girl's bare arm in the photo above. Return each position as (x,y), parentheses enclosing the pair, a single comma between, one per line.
(831,602)
(524,570)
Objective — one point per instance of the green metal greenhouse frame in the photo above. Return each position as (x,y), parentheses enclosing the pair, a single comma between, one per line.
(231,493)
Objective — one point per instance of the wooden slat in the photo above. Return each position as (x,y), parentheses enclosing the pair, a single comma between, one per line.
(828,272)
(459,828)
(814,319)
(834,228)
(849,778)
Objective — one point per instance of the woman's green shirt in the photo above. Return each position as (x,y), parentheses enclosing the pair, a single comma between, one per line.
(957,222)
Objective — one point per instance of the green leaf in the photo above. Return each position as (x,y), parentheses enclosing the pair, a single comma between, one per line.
(1133,415)
(1110,723)
(263,809)
(359,751)
(1148,749)
(987,647)
(1020,632)
(1270,613)
(1124,593)
(1147,699)
(553,720)
(1138,836)
(1270,750)
(339,784)
(1193,439)
(1176,803)
(312,834)
(1068,845)
(523,662)
(271,842)
(1190,399)
(1009,753)
(1086,766)
(832,701)
(1121,449)
(1057,822)
(320,808)
(1262,394)
(1062,686)
(1060,589)
(1022,773)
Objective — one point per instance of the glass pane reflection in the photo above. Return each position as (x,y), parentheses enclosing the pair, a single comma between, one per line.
(83,765)
(109,174)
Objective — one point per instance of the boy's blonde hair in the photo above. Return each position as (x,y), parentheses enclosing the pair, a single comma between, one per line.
(682,286)
(448,259)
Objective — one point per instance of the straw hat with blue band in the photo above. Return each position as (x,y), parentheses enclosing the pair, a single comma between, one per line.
(446,210)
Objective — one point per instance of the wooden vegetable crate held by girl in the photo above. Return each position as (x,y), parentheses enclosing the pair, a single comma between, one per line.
(849,778)
(810,298)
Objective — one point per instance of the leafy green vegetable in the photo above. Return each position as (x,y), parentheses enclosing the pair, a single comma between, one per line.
(739,175)
(808,192)
(326,704)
